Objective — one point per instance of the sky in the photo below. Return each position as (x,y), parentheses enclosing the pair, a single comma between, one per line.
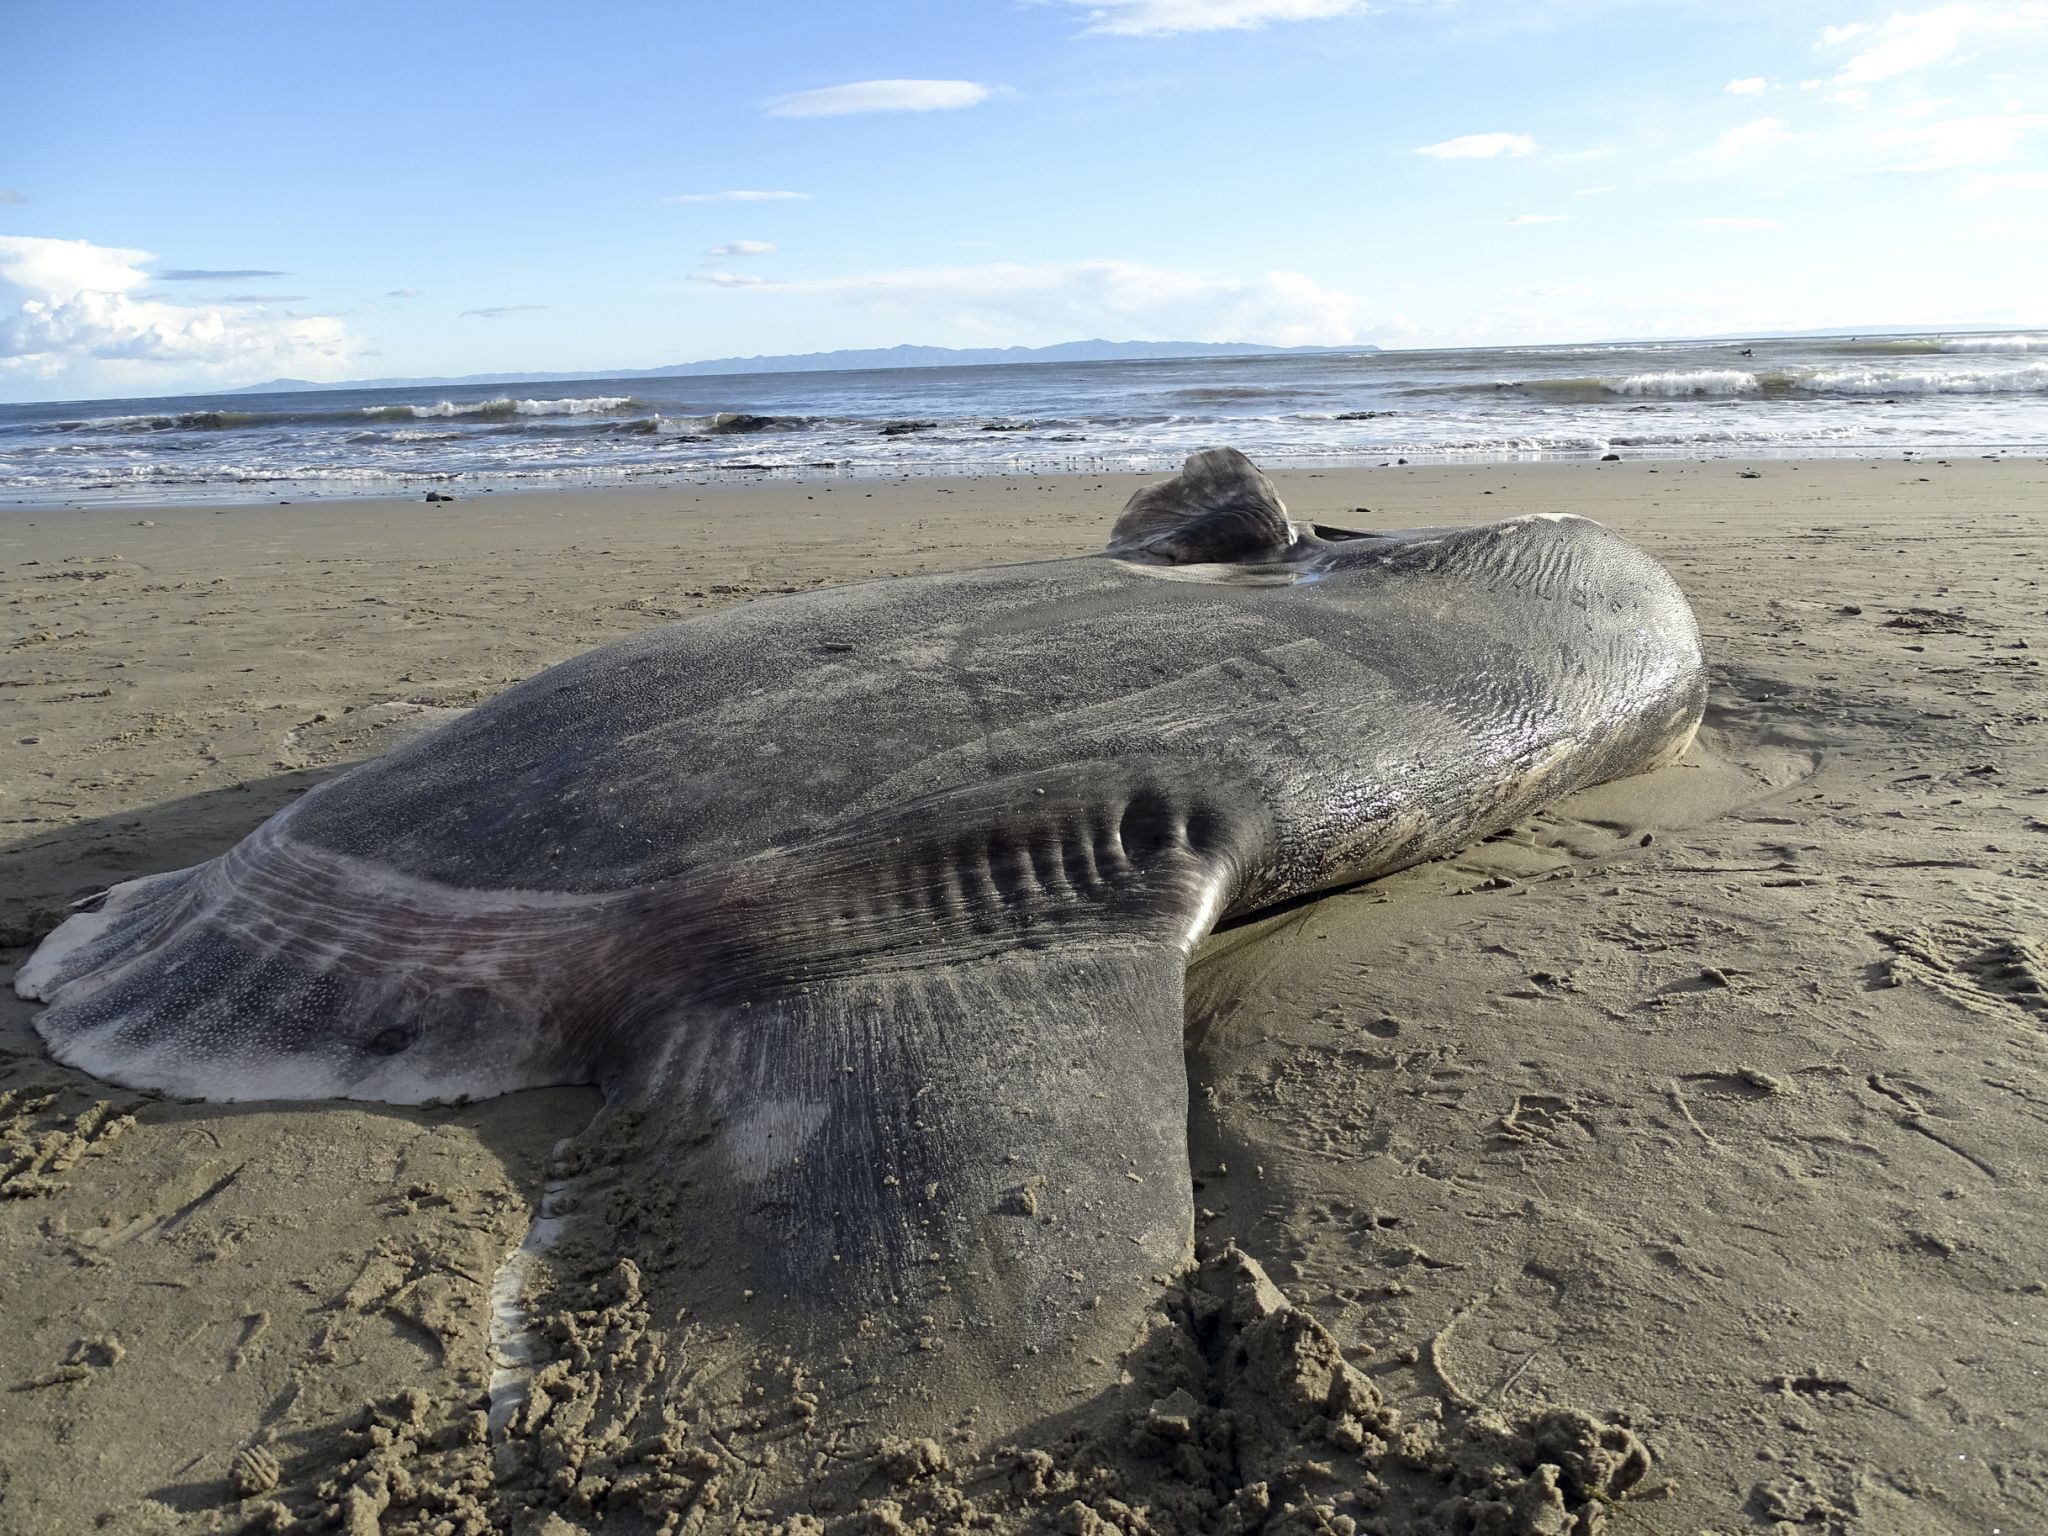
(207,195)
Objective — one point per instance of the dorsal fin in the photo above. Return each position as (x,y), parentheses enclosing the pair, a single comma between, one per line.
(1218,508)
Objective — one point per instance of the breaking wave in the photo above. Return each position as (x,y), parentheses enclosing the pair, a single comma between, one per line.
(1737,384)
(2031,379)
(506,409)
(1995,344)
(1924,345)
(182,421)
(1696,381)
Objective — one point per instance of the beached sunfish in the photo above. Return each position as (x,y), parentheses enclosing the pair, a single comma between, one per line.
(869,909)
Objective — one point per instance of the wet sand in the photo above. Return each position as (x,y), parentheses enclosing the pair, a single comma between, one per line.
(1711,1106)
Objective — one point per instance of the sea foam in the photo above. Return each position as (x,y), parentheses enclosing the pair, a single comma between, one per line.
(2029,379)
(1994,344)
(501,409)
(1694,381)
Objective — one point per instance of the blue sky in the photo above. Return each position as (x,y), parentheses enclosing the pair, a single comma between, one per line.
(219,193)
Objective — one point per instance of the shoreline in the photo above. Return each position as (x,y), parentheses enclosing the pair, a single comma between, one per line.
(465,485)
(1768,399)
(1699,1102)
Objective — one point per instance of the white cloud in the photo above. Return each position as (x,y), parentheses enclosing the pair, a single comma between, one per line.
(741,248)
(403,293)
(499,311)
(1480,146)
(728,279)
(73,313)
(1158,18)
(1738,223)
(1850,96)
(1913,40)
(1539,218)
(1964,140)
(881,96)
(2010,181)
(57,270)
(739,197)
(1595,191)
(215,274)
(1904,42)
(1121,299)
(1751,86)
(1760,134)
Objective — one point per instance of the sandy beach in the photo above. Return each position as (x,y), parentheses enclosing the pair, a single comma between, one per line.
(1705,1111)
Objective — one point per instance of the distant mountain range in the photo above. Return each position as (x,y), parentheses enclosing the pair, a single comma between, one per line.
(826,362)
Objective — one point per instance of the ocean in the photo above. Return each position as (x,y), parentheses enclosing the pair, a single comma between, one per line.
(1662,400)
